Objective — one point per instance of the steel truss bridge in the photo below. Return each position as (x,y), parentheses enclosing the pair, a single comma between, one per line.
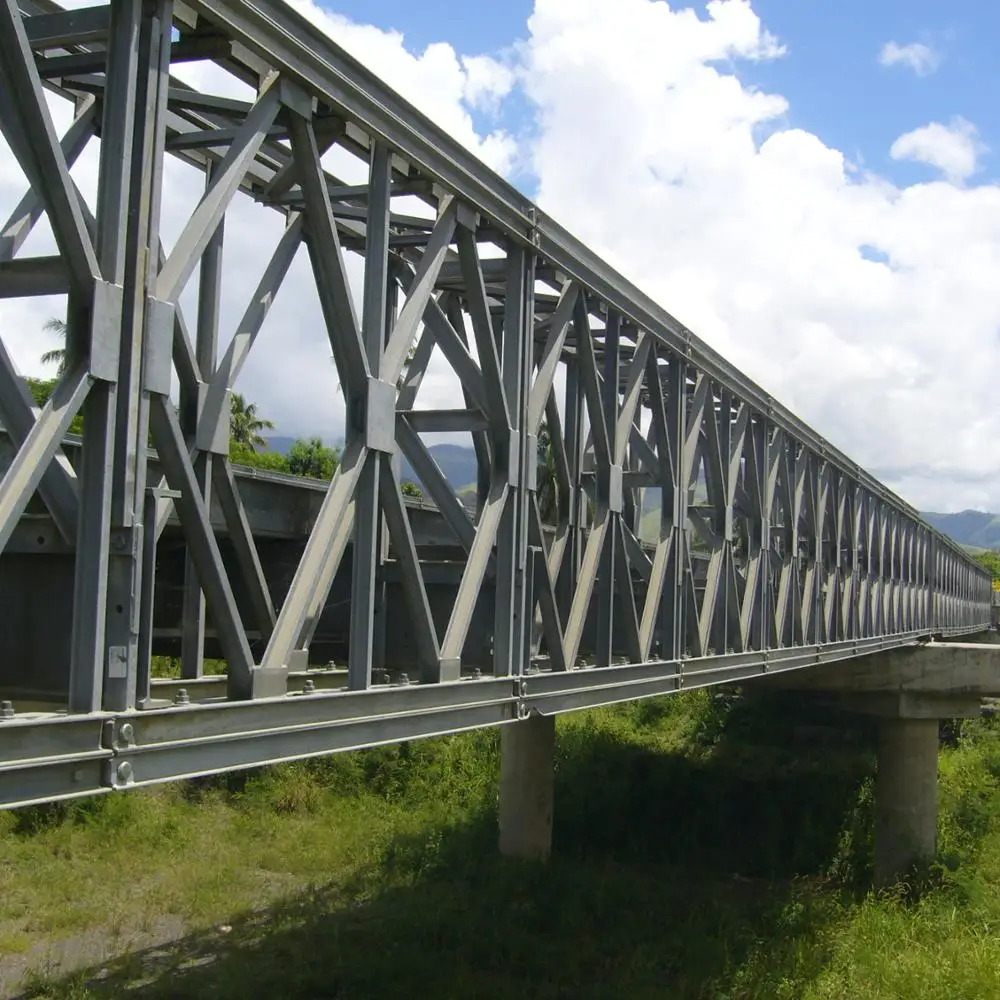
(771,551)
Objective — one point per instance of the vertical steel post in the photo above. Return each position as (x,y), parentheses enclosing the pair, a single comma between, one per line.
(368,519)
(606,573)
(512,620)
(381,610)
(569,570)
(206,351)
(88,657)
(132,403)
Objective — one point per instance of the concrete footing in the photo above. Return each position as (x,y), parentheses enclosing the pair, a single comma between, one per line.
(905,796)
(527,752)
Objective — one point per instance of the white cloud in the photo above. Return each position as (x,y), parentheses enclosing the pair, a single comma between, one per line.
(760,237)
(290,362)
(954,149)
(922,59)
(649,150)
(440,83)
(487,81)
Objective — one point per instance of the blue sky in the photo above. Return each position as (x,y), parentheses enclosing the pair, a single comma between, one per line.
(840,295)
(471,28)
(838,90)
(830,75)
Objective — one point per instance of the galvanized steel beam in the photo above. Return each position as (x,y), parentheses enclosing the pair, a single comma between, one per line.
(770,549)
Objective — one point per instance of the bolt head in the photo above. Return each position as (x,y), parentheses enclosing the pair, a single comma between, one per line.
(124,773)
(182,697)
(6,710)
(128,733)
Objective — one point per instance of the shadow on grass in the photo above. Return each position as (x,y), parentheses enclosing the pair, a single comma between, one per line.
(672,876)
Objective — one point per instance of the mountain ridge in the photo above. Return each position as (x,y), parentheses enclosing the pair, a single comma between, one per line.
(973,528)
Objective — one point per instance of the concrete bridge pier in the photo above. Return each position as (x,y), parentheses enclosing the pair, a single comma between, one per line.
(905,795)
(910,690)
(527,780)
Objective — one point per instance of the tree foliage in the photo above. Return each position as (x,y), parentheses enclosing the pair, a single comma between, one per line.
(269,461)
(309,458)
(41,389)
(57,356)
(548,487)
(312,458)
(991,561)
(246,424)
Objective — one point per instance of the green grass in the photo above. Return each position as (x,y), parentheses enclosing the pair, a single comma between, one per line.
(169,667)
(704,848)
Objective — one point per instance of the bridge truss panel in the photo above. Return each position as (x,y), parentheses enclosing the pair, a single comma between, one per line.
(584,400)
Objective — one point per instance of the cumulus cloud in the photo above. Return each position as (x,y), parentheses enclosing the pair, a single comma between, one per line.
(954,149)
(487,81)
(440,83)
(866,306)
(922,59)
(761,237)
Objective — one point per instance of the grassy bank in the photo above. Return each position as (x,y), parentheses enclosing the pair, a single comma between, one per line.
(703,849)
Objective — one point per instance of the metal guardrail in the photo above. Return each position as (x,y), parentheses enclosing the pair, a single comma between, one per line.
(808,557)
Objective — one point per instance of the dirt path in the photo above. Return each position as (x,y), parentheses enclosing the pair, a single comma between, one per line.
(84,951)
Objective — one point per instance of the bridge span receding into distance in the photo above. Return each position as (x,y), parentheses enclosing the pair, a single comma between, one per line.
(682,528)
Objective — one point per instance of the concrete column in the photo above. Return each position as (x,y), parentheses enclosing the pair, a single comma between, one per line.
(905,796)
(527,751)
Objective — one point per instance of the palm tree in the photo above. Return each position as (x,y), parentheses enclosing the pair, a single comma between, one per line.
(245,425)
(57,356)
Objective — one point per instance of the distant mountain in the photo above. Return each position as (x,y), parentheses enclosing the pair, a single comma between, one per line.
(458,463)
(976,528)
(280,444)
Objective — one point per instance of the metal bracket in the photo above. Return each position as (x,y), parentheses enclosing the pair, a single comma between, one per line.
(615,489)
(105,331)
(450,669)
(269,682)
(158,363)
(213,430)
(380,416)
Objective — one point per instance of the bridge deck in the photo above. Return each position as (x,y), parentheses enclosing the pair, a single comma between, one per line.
(587,404)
